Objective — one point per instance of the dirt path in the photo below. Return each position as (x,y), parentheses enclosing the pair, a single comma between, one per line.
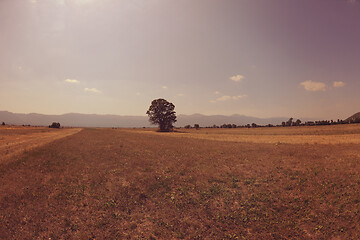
(16,141)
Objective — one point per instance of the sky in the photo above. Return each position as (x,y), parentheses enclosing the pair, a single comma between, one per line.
(261,58)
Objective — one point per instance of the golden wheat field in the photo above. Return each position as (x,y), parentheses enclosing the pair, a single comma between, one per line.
(262,183)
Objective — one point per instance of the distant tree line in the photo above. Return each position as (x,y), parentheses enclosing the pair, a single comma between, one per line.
(288,123)
(320,122)
(24,125)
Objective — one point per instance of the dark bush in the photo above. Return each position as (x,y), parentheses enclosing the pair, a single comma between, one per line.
(54,125)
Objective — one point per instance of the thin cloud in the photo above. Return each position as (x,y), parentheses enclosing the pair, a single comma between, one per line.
(227,98)
(223,98)
(71,80)
(164,87)
(93,90)
(312,86)
(237,78)
(338,84)
(137,94)
(239,97)
(216,92)
(180,94)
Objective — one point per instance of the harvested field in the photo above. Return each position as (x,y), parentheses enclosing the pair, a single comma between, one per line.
(131,184)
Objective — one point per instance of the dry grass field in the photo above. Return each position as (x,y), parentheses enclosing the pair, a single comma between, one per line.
(336,134)
(205,184)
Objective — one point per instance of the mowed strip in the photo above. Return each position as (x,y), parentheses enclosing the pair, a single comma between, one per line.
(15,141)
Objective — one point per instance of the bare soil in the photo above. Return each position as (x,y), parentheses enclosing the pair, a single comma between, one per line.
(122,184)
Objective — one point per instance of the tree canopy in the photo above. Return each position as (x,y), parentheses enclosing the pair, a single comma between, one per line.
(161,112)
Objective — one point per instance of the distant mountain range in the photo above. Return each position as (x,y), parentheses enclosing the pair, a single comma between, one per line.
(95,120)
(204,120)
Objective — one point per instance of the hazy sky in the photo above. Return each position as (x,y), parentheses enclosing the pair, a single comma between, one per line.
(262,58)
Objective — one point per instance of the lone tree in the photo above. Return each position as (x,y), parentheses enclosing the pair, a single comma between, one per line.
(161,112)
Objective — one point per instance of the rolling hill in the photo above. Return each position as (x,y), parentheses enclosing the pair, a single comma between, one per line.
(354,117)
